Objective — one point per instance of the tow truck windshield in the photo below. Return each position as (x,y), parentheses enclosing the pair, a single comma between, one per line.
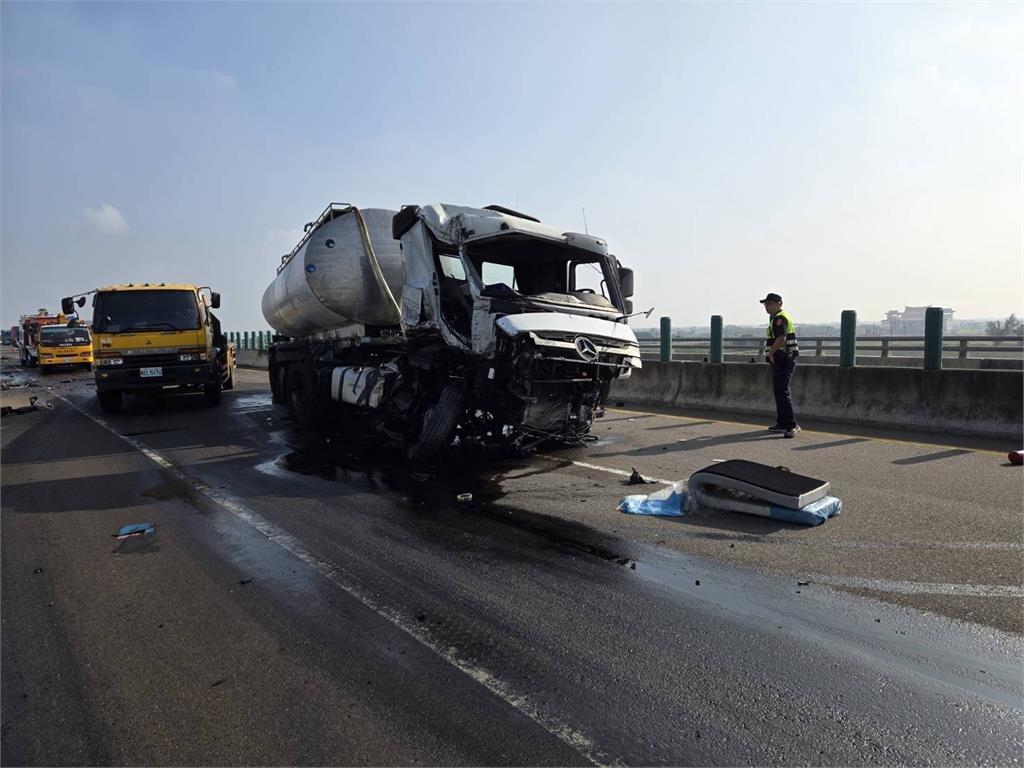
(58,336)
(164,310)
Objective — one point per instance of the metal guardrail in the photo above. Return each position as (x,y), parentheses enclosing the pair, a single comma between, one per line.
(250,339)
(959,347)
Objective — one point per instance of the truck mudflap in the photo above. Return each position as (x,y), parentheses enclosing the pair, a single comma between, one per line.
(439,423)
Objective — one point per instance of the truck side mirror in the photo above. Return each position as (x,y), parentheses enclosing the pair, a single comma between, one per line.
(626,281)
(214,300)
(67,305)
(629,306)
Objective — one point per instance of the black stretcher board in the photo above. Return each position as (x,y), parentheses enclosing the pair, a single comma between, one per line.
(778,486)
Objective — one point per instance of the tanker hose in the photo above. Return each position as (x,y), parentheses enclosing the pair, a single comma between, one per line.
(374,264)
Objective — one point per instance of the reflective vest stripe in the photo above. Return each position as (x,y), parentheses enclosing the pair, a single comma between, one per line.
(792,347)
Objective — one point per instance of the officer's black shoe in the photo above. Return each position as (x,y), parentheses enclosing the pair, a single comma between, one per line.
(791,432)
(777,428)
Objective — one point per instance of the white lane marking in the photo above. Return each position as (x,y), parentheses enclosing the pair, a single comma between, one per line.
(609,470)
(344,581)
(919,587)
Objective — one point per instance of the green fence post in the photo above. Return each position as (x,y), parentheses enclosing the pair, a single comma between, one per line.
(933,338)
(666,339)
(848,339)
(259,337)
(245,339)
(716,339)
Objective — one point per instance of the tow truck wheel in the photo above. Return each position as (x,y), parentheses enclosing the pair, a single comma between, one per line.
(212,393)
(110,401)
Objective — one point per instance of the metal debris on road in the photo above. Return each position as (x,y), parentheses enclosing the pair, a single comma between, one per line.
(637,479)
(135,530)
(464,497)
(9,410)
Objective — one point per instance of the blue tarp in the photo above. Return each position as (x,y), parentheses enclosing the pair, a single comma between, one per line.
(668,502)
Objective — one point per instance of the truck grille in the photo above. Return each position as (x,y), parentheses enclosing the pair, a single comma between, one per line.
(149,361)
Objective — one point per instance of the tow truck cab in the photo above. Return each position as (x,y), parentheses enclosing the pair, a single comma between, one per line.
(157,338)
(61,345)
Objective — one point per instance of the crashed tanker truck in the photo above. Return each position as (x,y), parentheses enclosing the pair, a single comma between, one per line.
(441,325)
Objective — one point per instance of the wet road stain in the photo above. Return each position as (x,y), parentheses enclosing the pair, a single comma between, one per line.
(437,493)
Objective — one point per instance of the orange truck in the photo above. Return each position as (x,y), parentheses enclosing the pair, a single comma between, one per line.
(28,330)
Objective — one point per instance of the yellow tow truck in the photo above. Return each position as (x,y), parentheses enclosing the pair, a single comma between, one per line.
(157,338)
(61,345)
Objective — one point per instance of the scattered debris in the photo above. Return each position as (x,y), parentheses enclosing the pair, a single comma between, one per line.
(668,502)
(9,410)
(134,537)
(696,582)
(637,479)
(421,617)
(802,583)
(218,681)
(245,581)
(136,530)
(464,497)
(37,570)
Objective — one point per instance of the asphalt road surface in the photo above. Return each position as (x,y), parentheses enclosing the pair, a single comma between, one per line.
(315,604)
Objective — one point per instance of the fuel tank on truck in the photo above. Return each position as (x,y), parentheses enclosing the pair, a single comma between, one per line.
(328,280)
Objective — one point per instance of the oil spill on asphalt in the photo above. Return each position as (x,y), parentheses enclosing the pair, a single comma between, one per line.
(432,493)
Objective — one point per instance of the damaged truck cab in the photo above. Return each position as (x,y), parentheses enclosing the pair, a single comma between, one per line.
(477,326)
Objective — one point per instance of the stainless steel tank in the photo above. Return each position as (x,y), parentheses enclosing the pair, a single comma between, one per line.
(330,283)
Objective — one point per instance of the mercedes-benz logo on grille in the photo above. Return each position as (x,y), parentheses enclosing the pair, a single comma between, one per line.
(586,348)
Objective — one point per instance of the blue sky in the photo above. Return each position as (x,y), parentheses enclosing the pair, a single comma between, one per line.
(860,156)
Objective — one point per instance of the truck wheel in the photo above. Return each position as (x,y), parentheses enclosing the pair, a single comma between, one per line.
(278,375)
(110,401)
(212,393)
(439,422)
(303,400)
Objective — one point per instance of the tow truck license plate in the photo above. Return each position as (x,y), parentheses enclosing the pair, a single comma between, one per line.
(150,372)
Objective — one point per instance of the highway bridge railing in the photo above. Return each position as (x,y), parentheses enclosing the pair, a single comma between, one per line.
(827,349)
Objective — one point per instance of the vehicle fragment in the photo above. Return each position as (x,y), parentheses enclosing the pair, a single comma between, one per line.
(9,410)
(637,479)
(134,531)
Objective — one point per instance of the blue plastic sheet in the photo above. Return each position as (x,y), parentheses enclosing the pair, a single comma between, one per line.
(668,502)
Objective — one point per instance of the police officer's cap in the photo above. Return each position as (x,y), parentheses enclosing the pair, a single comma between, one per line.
(771,297)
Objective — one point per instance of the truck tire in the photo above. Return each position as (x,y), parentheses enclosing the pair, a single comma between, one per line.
(110,401)
(278,375)
(439,422)
(302,397)
(212,393)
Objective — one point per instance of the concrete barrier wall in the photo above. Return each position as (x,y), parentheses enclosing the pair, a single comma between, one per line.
(963,402)
(252,358)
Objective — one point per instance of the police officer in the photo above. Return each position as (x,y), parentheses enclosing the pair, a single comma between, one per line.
(781,351)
